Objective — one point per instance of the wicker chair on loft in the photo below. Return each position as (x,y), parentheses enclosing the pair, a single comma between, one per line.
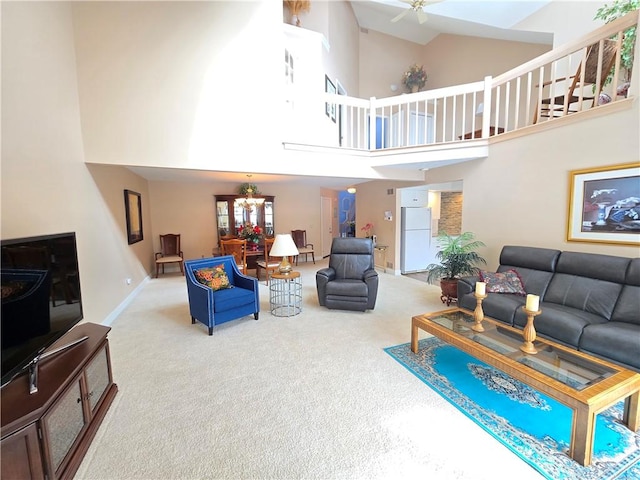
(304,248)
(593,77)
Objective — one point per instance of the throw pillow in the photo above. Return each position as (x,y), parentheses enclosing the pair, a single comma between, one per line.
(505,282)
(213,277)
(13,289)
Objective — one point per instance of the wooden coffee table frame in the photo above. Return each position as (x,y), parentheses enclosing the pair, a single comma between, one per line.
(585,403)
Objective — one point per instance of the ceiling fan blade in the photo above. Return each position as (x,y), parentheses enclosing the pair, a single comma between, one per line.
(395,19)
(422,16)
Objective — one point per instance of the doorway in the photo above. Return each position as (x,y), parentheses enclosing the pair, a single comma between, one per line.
(326,226)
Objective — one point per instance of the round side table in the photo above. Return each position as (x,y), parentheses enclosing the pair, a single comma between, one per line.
(285,294)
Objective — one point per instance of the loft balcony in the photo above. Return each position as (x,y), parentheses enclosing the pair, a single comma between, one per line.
(448,125)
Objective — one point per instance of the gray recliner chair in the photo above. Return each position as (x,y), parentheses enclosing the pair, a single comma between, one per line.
(350,282)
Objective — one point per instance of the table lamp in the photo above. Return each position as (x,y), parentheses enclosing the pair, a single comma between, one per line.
(284,247)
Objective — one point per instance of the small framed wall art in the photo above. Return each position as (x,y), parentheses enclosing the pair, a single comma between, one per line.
(133,211)
(604,205)
(330,108)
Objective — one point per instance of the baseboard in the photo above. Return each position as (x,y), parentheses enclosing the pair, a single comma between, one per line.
(118,310)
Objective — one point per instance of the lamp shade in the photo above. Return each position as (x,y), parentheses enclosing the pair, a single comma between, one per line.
(283,246)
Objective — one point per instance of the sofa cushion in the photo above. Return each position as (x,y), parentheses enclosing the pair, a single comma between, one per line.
(213,277)
(613,340)
(347,288)
(534,265)
(533,281)
(534,258)
(503,282)
(627,307)
(561,323)
(633,273)
(583,294)
(501,307)
(232,298)
(592,265)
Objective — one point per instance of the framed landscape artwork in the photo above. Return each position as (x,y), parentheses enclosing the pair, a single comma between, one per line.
(133,210)
(604,205)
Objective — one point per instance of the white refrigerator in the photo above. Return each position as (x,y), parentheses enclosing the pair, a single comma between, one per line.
(415,246)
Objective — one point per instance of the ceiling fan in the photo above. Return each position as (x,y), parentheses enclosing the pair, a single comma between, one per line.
(416,6)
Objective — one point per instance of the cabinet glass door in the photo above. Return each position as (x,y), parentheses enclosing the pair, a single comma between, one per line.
(268,218)
(64,423)
(98,378)
(222,210)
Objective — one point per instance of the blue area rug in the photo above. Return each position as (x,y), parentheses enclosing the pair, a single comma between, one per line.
(534,426)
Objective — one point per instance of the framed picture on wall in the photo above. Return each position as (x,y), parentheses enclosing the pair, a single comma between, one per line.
(133,212)
(330,108)
(604,205)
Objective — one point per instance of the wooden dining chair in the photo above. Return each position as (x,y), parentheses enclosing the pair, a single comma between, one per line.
(268,264)
(170,252)
(238,248)
(304,248)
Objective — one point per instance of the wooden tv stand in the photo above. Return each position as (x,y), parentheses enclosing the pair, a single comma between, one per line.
(46,434)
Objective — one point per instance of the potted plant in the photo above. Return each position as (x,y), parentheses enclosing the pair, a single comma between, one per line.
(609,13)
(296,7)
(415,78)
(458,257)
(251,233)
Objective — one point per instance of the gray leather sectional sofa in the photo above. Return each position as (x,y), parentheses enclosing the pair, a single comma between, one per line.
(590,302)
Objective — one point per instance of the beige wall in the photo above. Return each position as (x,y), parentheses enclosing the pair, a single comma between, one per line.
(455,59)
(161,83)
(567,19)
(188,208)
(383,60)
(448,60)
(46,186)
(520,193)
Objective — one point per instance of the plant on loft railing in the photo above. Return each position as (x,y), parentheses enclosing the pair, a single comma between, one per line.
(609,13)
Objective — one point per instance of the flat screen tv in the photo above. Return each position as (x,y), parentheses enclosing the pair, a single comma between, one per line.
(41,298)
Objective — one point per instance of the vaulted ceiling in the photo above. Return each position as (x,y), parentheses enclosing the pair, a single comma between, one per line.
(479,18)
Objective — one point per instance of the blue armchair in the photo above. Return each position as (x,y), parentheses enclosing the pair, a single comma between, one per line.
(215,307)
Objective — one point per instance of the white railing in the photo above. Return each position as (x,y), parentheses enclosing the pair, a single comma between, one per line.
(493,106)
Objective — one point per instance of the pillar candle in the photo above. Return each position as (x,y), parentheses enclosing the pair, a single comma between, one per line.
(533,303)
(481,288)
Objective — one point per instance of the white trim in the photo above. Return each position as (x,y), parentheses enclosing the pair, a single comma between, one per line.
(125,303)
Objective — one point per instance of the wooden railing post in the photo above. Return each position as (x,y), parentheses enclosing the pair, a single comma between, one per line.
(486,113)
(372,123)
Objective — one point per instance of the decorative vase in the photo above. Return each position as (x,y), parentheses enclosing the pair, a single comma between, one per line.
(295,20)
(602,214)
(415,89)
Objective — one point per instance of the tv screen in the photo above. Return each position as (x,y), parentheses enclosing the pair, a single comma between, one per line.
(41,298)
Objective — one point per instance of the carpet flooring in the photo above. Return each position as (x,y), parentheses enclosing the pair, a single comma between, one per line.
(534,426)
(312,396)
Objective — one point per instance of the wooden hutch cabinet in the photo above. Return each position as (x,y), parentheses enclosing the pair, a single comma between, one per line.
(232,214)
(46,434)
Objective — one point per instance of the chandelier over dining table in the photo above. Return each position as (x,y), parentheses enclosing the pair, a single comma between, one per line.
(249,202)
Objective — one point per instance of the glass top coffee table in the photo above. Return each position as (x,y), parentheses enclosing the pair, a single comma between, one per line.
(582,382)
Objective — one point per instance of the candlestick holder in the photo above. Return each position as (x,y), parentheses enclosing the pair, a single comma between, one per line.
(529,332)
(478,314)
